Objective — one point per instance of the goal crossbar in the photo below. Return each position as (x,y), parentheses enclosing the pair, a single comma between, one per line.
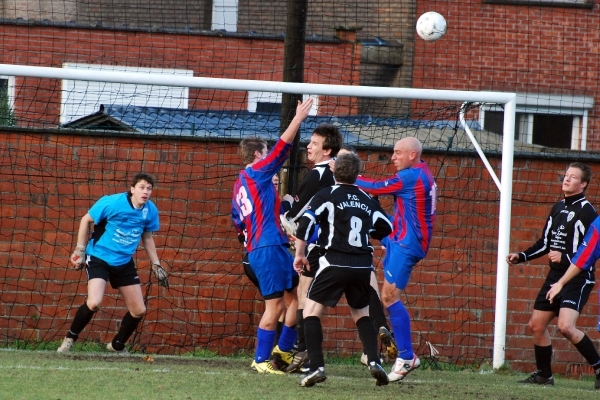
(507,99)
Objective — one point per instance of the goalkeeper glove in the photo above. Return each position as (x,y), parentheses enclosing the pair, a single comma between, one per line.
(78,257)
(161,275)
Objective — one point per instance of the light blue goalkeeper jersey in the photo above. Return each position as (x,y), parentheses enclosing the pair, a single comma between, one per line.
(118,228)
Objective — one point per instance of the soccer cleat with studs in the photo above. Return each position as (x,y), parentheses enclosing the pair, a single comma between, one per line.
(537,379)
(379,374)
(109,347)
(401,368)
(387,340)
(364,360)
(66,345)
(281,359)
(299,360)
(265,367)
(313,377)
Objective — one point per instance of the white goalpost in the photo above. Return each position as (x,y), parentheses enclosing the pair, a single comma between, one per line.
(508,100)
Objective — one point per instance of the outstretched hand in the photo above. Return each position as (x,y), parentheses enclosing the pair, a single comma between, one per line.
(303,108)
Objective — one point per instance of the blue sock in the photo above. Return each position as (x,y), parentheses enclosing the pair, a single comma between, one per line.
(287,338)
(400,322)
(264,344)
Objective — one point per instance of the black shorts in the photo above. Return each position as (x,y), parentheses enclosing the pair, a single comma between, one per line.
(248,271)
(118,276)
(574,294)
(314,253)
(333,281)
(252,276)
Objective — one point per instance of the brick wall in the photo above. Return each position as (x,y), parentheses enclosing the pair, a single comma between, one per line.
(37,101)
(49,180)
(524,49)
(390,20)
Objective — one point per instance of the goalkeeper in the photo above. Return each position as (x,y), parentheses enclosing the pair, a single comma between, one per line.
(120,222)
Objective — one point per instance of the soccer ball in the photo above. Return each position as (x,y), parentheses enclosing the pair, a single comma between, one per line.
(431,26)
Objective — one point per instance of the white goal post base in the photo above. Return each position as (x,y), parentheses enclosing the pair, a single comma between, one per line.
(507,99)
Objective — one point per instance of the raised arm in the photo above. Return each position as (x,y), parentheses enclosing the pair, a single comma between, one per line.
(301,113)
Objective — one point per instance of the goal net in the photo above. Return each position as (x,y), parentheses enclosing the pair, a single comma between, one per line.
(171,87)
(57,171)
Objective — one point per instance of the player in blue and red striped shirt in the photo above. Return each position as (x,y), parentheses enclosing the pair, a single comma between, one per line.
(571,287)
(255,213)
(414,191)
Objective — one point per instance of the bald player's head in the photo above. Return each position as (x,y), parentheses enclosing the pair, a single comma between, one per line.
(407,153)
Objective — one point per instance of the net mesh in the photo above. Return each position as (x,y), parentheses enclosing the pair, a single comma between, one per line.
(67,142)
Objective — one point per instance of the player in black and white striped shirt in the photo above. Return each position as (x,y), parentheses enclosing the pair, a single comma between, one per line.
(347,216)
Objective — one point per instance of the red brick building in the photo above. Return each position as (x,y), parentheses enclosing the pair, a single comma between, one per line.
(49,178)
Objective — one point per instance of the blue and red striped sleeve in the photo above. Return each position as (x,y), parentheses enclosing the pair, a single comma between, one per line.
(589,250)
(391,185)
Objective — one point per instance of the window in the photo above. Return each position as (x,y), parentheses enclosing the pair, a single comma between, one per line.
(7,101)
(225,15)
(270,102)
(268,108)
(81,98)
(546,3)
(546,120)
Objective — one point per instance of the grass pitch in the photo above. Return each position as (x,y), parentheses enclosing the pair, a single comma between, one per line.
(27,374)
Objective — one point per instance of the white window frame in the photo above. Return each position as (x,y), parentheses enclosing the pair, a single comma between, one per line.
(81,98)
(272,97)
(11,90)
(537,103)
(224,15)
(546,3)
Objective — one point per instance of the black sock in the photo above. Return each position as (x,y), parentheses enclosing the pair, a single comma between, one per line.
(314,342)
(82,318)
(278,331)
(300,339)
(368,337)
(543,360)
(128,326)
(376,311)
(588,351)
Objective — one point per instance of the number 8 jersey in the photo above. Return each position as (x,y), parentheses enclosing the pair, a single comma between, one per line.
(347,217)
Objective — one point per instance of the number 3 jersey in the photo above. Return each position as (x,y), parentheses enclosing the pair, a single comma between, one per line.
(255,203)
(346,216)
(414,192)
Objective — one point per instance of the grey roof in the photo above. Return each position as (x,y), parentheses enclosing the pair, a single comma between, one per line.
(356,130)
